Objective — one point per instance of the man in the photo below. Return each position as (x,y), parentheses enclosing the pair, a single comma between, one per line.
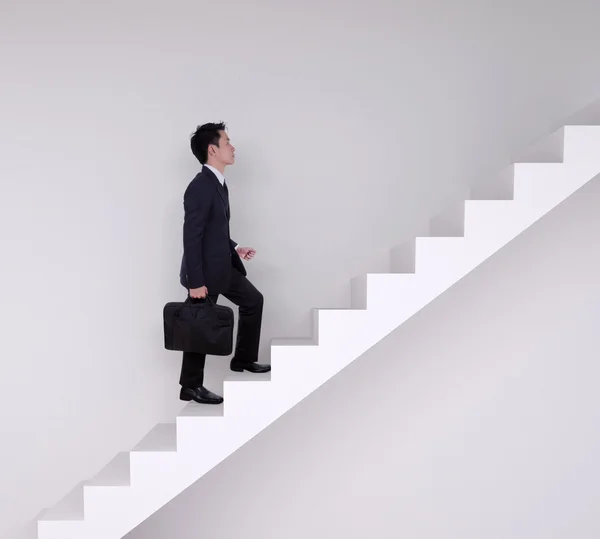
(212,262)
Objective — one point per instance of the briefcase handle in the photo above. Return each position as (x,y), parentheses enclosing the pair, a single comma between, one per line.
(188,302)
(205,298)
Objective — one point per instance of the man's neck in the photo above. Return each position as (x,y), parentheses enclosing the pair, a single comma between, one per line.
(218,166)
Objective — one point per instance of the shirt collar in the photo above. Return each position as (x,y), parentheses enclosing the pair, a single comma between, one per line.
(217,173)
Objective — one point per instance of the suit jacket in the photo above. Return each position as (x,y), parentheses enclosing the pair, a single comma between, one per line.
(209,254)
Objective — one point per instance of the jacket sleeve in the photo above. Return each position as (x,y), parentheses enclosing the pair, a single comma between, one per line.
(197,201)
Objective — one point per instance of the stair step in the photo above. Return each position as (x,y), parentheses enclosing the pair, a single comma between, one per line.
(153,455)
(443,261)
(200,426)
(115,473)
(496,221)
(247,400)
(113,511)
(249,377)
(295,365)
(195,409)
(306,341)
(146,468)
(248,405)
(403,287)
(435,256)
(99,498)
(540,187)
(337,326)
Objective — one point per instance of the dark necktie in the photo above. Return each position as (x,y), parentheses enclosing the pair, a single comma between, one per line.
(226,195)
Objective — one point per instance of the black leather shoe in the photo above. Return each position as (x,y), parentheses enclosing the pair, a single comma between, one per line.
(250,367)
(199,394)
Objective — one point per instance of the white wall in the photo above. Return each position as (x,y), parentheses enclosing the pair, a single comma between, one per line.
(353,125)
(477,418)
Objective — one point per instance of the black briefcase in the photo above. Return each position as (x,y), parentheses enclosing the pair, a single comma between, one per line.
(199,326)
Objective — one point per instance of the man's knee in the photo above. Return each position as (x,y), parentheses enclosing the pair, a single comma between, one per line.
(254,303)
(258,301)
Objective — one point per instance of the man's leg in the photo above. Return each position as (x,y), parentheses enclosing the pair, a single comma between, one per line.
(192,370)
(243,293)
(192,377)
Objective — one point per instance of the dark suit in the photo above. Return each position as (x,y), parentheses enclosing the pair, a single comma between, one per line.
(210,259)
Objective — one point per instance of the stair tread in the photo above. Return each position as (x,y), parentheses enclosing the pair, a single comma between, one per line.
(434,239)
(301,341)
(194,409)
(249,377)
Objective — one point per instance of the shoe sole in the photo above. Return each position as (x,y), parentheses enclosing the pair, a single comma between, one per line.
(200,401)
(242,369)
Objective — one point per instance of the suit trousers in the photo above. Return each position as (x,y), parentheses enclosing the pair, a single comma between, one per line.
(241,292)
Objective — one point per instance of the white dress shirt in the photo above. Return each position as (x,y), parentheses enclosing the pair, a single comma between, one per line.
(217,173)
(221,179)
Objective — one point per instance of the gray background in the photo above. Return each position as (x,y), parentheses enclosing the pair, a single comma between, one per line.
(354,125)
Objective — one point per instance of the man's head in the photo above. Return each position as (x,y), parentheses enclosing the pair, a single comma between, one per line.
(211,145)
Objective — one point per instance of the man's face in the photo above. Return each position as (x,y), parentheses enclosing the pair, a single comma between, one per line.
(225,152)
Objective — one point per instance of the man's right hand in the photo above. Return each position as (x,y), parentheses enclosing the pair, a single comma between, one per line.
(198,293)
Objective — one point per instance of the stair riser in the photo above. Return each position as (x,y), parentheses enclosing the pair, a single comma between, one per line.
(337,328)
(111,515)
(285,361)
(442,261)
(207,450)
(496,222)
(539,188)
(407,292)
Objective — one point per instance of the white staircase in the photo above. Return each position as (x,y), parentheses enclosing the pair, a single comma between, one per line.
(173,456)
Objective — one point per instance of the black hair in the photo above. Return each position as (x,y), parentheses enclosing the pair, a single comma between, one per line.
(204,136)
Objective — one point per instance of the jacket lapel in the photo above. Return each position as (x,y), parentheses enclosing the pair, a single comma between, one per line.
(220,189)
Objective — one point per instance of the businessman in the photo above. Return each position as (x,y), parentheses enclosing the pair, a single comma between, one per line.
(212,261)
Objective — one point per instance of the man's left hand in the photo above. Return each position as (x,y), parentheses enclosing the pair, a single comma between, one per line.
(246,253)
